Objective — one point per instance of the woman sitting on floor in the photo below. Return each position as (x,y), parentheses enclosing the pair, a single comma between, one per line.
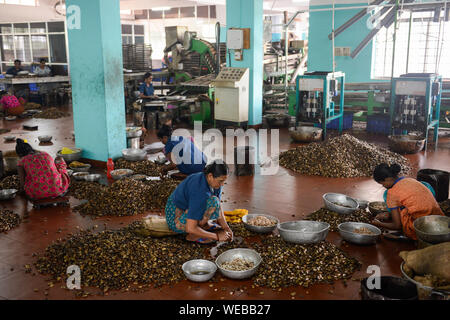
(194,205)
(41,177)
(407,200)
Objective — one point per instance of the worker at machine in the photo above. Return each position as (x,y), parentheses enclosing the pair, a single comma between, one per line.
(407,200)
(181,152)
(39,176)
(146,89)
(194,206)
(16,68)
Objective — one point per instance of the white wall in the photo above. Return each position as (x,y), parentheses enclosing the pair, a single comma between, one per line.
(16,13)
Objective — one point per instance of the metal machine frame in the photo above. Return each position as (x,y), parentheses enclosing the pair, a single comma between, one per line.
(328,112)
(432,113)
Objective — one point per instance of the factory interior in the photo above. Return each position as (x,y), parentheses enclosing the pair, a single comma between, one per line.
(224,150)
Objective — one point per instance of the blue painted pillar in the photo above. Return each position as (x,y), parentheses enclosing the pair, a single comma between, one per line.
(96,69)
(249,14)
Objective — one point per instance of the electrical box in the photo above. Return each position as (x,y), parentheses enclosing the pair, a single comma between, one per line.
(232,95)
(235,39)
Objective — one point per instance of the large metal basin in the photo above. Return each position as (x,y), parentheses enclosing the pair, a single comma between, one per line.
(259,229)
(133,132)
(347,232)
(331,199)
(199,270)
(303,231)
(306,134)
(7,194)
(71,157)
(133,154)
(406,143)
(242,253)
(433,229)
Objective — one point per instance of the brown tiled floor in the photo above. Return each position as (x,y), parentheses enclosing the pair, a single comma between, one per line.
(284,194)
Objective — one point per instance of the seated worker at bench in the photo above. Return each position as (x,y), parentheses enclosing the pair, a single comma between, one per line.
(41,177)
(181,152)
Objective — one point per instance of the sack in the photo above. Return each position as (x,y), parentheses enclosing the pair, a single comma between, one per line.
(433,260)
(158,227)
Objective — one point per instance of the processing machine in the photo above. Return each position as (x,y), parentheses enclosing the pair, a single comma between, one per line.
(415,104)
(315,92)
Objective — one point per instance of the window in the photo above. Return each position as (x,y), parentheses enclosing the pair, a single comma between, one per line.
(20,2)
(133,34)
(187,12)
(30,42)
(428,45)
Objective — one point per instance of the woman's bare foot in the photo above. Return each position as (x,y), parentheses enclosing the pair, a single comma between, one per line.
(193,238)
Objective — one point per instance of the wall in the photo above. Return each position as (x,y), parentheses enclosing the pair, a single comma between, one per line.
(320,47)
(17,13)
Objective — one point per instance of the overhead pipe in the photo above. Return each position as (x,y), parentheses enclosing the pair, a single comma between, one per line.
(354,19)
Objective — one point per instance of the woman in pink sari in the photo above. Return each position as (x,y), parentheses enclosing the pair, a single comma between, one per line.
(41,177)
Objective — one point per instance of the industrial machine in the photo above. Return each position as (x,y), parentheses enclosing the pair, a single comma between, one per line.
(315,91)
(232,96)
(415,104)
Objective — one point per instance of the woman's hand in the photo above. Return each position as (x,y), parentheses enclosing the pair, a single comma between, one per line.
(224,236)
(376,223)
(383,216)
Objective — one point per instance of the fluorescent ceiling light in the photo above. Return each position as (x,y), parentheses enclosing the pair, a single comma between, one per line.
(161,9)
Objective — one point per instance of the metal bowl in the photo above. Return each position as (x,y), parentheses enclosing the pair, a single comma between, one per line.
(433,229)
(277,120)
(303,231)
(432,293)
(80,175)
(391,288)
(330,200)
(206,268)
(85,168)
(242,253)
(346,230)
(71,157)
(9,138)
(133,132)
(362,204)
(11,118)
(121,173)
(45,138)
(93,177)
(154,147)
(69,172)
(406,143)
(258,229)
(373,207)
(306,134)
(7,194)
(134,154)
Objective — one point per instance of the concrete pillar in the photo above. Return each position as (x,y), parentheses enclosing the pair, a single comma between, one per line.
(249,14)
(95,51)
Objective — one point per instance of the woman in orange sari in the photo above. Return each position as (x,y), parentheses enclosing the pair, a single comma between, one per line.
(407,199)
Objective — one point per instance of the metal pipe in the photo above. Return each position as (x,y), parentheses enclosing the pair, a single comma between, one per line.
(386,21)
(394,38)
(409,41)
(353,19)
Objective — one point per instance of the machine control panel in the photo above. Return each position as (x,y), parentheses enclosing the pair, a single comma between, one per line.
(416,88)
(306,84)
(231,74)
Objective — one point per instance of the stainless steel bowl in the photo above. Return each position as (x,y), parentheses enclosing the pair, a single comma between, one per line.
(258,229)
(80,175)
(7,194)
(71,157)
(133,132)
(199,270)
(347,232)
(93,177)
(303,231)
(85,168)
(9,138)
(406,143)
(331,198)
(362,204)
(134,154)
(306,134)
(373,207)
(433,229)
(121,173)
(242,253)
(45,138)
